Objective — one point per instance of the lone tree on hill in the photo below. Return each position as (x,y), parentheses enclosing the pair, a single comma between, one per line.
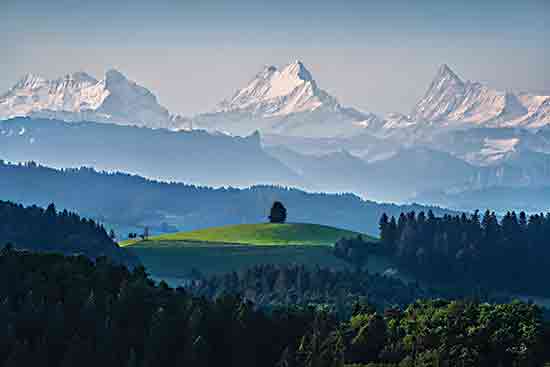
(278,213)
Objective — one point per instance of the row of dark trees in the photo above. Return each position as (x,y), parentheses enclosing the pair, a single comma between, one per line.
(58,311)
(511,254)
(39,229)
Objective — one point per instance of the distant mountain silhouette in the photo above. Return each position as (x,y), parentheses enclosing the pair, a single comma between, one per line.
(125,200)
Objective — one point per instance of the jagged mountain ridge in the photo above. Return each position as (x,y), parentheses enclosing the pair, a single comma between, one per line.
(80,97)
(282,101)
(451,100)
(286,101)
(275,92)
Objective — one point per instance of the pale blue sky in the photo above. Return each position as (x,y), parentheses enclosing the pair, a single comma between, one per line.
(375,55)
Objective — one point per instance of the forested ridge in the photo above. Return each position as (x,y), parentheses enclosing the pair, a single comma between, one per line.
(38,229)
(69,311)
(125,200)
(511,254)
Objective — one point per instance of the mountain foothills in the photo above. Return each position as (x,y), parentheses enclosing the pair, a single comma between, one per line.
(462,137)
(186,156)
(127,201)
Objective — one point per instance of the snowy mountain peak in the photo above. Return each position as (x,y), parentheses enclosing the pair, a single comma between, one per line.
(445,79)
(119,85)
(450,101)
(79,96)
(298,70)
(285,101)
(444,93)
(445,73)
(115,76)
(278,92)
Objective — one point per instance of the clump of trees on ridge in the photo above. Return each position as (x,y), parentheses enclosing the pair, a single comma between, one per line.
(38,229)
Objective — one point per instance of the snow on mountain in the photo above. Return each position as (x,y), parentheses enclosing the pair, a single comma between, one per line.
(74,92)
(79,96)
(285,101)
(275,92)
(451,101)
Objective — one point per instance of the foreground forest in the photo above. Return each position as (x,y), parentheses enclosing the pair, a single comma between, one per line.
(89,309)
(68,311)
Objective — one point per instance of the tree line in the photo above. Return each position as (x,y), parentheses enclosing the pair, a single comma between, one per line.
(511,254)
(58,311)
(39,229)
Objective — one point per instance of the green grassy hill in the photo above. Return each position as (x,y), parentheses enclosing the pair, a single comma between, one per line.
(232,248)
(260,234)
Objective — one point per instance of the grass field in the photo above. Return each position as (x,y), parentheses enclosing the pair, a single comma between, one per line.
(167,261)
(261,234)
(219,250)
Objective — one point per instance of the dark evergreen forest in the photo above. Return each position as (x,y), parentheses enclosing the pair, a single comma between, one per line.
(511,254)
(70,311)
(38,229)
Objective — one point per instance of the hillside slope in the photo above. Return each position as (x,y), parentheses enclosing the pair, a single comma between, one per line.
(264,234)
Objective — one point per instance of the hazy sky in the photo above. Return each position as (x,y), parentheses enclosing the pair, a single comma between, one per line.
(374,55)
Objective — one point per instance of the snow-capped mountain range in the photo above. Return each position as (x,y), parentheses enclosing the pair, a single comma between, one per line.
(282,101)
(80,97)
(460,136)
(288,101)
